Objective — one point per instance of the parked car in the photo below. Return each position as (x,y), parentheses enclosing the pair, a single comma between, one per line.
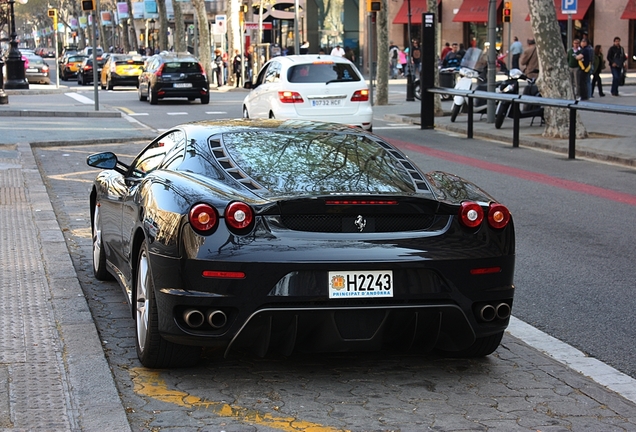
(85,73)
(275,235)
(121,70)
(170,75)
(311,87)
(70,65)
(37,71)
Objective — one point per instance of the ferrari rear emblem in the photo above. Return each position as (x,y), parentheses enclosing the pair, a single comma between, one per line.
(360,222)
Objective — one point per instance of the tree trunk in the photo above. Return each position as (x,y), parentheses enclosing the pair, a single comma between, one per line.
(554,77)
(125,34)
(178,37)
(163,25)
(437,99)
(205,55)
(233,35)
(134,41)
(382,71)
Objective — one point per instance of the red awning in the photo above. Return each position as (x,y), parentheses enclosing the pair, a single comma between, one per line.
(630,10)
(581,9)
(474,11)
(418,7)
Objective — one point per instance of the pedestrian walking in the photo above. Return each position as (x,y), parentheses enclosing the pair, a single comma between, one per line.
(402,62)
(516,49)
(416,57)
(394,54)
(573,64)
(616,60)
(218,67)
(337,51)
(350,55)
(584,58)
(599,65)
(236,67)
(529,60)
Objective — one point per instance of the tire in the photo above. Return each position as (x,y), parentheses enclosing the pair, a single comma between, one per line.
(246,115)
(500,116)
(446,97)
(480,348)
(109,84)
(152,350)
(152,97)
(141,97)
(205,99)
(99,257)
(455,112)
(417,91)
(101,84)
(271,115)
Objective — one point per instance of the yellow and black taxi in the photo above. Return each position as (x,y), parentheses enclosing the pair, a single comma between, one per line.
(121,70)
(70,65)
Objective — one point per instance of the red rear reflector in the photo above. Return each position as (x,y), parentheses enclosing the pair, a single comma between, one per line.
(223,274)
(485,270)
(290,97)
(360,96)
(361,202)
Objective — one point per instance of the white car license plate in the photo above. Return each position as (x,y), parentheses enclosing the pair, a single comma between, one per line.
(182,85)
(373,283)
(31,70)
(326,102)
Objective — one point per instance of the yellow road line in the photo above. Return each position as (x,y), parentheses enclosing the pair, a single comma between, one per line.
(126,110)
(149,383)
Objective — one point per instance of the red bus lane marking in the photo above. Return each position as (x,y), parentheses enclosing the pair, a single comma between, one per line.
(520,173)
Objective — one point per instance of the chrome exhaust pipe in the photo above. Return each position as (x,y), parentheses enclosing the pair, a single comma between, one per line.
(487,313)
(217,318)
(503,311)
(193,318)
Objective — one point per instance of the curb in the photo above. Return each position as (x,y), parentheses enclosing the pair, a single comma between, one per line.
(32,113)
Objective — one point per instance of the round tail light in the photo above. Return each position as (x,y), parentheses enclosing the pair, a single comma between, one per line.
(238,215)
(498,216)
(203,218)
(471,214)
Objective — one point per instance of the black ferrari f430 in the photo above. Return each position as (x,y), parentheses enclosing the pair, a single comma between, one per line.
(275,236)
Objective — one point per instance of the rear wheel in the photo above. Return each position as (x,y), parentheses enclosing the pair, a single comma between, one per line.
(417,90)
(109,84)
(153,350)
(246,115)
(271,115)
(205,99)
(152,97)
(140,95)
(455,112)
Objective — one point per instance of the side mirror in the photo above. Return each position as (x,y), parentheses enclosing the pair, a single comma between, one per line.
(106,160)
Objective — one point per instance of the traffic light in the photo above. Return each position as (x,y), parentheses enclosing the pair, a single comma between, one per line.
(88,5)
(507,12)
(52,13)
(374,6)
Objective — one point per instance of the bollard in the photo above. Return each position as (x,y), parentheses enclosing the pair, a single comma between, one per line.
(4,99)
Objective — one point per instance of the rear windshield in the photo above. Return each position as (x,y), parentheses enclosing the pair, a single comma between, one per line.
(129,61)
(181,67)
(315,162)
(76,59)
(322,73)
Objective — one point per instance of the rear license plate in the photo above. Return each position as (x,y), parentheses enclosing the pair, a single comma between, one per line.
(326,102)
(31,70)
(347,284)
(182,85)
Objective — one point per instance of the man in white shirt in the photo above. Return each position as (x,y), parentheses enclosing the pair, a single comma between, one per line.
(337,51)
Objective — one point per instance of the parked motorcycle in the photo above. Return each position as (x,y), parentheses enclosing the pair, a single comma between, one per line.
(472,74)
(511,86)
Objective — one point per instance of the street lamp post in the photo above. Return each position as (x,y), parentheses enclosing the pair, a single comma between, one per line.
(152,33)
(16,76)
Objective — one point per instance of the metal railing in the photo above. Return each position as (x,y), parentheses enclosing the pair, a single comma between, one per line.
(517,99)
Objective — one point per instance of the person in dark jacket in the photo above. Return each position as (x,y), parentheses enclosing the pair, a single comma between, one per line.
(585,57)
(616,60)
(599,65)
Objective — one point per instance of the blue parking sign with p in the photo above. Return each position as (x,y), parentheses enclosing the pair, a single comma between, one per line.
(568,6)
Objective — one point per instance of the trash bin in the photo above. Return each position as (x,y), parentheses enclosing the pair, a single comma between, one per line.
(447,79)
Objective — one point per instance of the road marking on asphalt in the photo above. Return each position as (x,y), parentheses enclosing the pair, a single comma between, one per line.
(177,113)
(574,359)
(397,126)
(150,384)
(78,97)
(216,112)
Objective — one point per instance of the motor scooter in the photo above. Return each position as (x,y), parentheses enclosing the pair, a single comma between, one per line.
(446,79)
(511,86)
(472,74)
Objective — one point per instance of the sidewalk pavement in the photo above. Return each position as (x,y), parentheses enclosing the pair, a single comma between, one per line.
(53,371)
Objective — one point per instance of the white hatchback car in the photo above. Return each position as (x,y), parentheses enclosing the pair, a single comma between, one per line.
(312,87)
